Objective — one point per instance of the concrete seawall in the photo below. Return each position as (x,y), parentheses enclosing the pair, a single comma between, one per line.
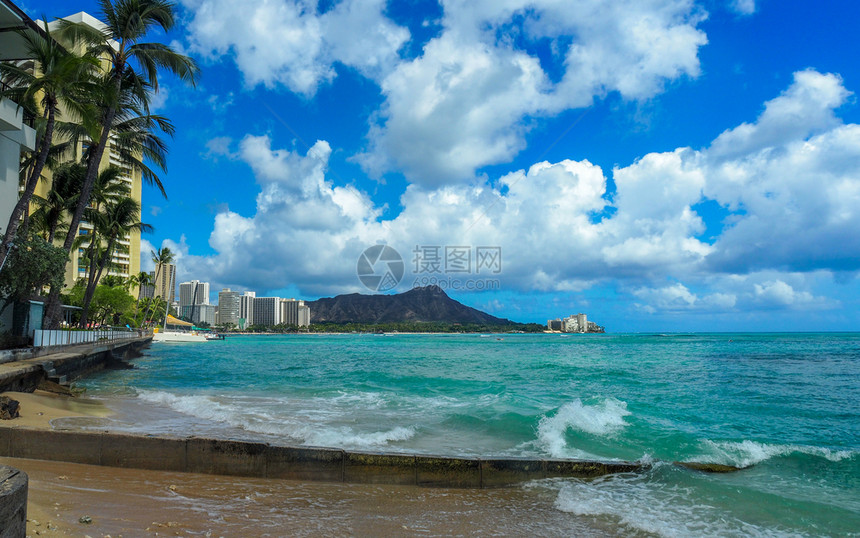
(24,370)
(13,503)
(260,460)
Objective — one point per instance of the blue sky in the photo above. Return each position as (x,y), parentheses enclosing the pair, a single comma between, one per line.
(661,165)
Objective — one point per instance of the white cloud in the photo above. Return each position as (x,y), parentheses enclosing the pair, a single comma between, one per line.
(793,209)
(806,107)
(467,100)
(743,7)
(465,103)
(453,110)
(158,99)
(287,42)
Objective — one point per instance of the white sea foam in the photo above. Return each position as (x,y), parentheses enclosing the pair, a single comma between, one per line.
(746,453)
(604,418)
(307,428)
(345,437)
(641,503)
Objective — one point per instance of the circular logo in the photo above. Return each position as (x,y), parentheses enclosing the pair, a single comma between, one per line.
(380,268)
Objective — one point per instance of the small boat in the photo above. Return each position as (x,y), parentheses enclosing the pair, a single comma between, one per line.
(178,336)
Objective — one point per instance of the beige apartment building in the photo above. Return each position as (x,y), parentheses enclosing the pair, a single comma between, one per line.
(126,258)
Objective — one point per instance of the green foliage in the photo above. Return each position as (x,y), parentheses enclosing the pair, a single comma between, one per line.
(111,305)
(31,264)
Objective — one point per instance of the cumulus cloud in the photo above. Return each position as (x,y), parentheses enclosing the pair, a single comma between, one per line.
(467,99)
(289,43)
(464,103)
(791,208)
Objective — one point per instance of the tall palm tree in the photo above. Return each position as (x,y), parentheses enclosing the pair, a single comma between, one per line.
(108,188)
(119,218)
(125,95)
(61,79)
(141,281)
(164,256)
(60,200)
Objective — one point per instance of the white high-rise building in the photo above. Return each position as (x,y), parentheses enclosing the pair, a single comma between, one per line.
(193,296)
(246,309)
(165,282)
(290,311)
(304,315)
(228,307)
(193,293)
(204,313)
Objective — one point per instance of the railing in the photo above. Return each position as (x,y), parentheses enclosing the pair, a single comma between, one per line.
(45,338)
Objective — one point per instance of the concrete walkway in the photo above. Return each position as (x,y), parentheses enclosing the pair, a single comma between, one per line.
(27,368)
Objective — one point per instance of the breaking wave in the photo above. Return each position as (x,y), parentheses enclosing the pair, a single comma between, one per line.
(295,429)
(746,453)
(604,418)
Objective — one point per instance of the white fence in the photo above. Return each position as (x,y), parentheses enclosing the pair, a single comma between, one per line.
(45,338)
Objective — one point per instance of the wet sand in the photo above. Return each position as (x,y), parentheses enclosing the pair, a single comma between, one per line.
(40,408)
(131,502)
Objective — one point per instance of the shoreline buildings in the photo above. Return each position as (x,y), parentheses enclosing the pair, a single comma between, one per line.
(575,323)
(246,309)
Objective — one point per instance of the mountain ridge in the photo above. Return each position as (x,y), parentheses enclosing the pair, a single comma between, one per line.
(422,304)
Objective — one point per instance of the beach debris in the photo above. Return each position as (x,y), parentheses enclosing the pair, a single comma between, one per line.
(62,477)
(35,522)
(9,408)
(171,487)
(86,520)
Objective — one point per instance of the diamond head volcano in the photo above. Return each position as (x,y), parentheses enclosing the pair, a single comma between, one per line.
(427,304)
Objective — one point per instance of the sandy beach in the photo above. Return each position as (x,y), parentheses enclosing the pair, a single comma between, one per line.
(131,502)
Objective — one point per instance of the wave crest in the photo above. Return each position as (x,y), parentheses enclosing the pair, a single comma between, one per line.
(604,418)
(293,428)
(746,453)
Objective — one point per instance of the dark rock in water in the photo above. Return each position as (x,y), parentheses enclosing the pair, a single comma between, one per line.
(709,467)
(8,408)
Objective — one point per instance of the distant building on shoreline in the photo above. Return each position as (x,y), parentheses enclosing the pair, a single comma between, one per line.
(165,282)
(194,302)
(240,309)
(576,323)
(228,307)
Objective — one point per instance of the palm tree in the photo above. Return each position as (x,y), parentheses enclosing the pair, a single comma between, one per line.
(119,218)
(60,200)
(63,79)
(108,188)
(164,256)
(124,100)
(140,281)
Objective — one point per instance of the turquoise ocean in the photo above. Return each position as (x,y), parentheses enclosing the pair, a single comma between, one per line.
(786,407)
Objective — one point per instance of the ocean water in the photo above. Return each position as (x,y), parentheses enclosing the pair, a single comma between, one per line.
(785,406)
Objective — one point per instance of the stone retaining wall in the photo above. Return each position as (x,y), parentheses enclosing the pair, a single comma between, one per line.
(69,363)
(13,503)
(260,460)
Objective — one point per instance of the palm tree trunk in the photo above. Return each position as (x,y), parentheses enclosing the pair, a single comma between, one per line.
(29,187)
(53,308)
(96,270)
(157,268)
